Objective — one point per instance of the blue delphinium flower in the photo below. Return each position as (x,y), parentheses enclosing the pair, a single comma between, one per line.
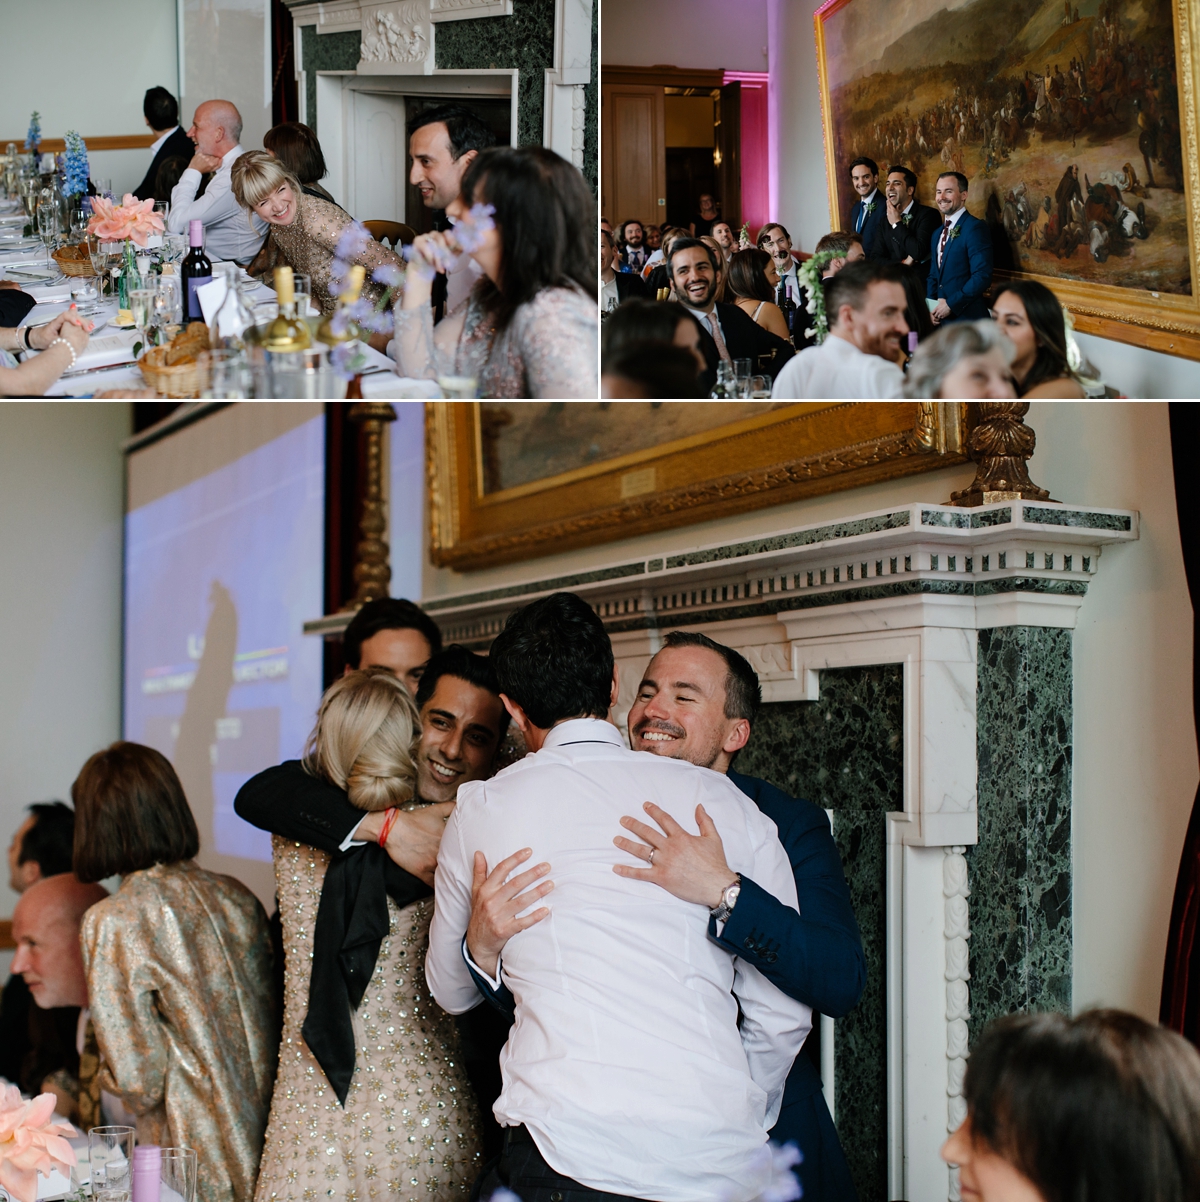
(33,139)
(77,169)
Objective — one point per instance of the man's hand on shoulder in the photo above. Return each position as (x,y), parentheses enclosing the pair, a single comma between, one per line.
(415,837)
(496,902)
(690,867)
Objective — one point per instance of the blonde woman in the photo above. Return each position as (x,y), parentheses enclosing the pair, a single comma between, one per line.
(371,1101)
(305,230)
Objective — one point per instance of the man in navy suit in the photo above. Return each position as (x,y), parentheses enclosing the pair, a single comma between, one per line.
(161,111)
(867,215)
(696,702)
(960,267)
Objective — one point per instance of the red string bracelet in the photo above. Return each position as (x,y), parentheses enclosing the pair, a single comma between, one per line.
(388,820)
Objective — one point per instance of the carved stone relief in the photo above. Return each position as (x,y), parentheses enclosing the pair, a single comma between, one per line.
(397,38)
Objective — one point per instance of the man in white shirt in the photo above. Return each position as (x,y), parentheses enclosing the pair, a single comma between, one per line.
(865,303)
(625,1074)
(230,232)
(776,241)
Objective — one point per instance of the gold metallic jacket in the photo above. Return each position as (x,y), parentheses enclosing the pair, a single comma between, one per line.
(181,991)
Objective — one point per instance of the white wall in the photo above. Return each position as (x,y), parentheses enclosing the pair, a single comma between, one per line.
(1135,748)
(52,64)
(708,34)
(61,505)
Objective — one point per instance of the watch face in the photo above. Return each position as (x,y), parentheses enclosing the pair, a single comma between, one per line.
(732,893)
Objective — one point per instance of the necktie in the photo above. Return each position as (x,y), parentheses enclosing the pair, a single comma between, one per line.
(715,326)
(862,216)
(942,243)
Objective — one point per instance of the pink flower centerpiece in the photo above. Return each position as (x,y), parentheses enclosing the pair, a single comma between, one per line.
(132,218)
(30,1143)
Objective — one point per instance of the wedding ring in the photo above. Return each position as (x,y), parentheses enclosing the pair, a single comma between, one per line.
(651,856)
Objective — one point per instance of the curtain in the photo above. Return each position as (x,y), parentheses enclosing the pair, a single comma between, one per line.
(1180,1008)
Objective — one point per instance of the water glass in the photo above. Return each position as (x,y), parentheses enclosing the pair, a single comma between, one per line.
(741,373)
(303,290)
(104,188)
(141,302)
(163,209)
(760,388)
(86,295)
(178,1181)
(79,220)
(168,302)
(110,1159)
(175,247)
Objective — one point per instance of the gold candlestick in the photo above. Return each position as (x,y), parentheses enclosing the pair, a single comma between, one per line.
(372,571)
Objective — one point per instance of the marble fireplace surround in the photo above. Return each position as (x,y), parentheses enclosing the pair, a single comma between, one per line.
(913,585)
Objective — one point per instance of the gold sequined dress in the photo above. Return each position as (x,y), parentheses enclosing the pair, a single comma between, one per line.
(181,990)
(409,1130)
(308,246)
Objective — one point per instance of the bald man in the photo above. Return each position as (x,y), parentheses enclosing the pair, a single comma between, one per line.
(229,231)
(45,928)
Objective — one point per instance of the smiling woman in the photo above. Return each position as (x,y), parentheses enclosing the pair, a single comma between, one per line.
(304,229)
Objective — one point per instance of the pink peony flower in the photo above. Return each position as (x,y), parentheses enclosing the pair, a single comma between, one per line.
(132,218)
(30,1143)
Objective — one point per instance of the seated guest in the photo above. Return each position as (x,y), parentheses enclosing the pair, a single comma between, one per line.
(774,239)
(1032,317)
(969,360)
(651,371)
(61,340)
(653,237)
(530,327)
(229,233)
(710,213)
(616,287)
(722,263)
(605,224)
(960,270)
(723,236)
(295,145)
(170,172)
(656,274)
(161,111)
(339,958)
(631,246)
(727,332)
(867,213)
(15,305)
(814,956)
(305,229)
(179,972)
(845,248)
(626,1072)
(45,928)
(907,234)
(34,1043)
(752,283)
(865,306)
(639,322)
(1102,1106)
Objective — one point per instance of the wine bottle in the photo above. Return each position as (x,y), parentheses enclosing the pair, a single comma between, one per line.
(196,272)
(287,332)
(325,331)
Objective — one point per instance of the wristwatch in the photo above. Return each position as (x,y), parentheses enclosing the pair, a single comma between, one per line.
(724,908)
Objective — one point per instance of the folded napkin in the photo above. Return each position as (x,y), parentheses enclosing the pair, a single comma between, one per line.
(49,293)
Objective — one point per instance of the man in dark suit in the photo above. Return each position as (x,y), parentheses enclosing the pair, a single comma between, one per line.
(867,213)
(815,956)
(631,246)
(616,285)
(960,269)
(162,116)
(726,332)
(909,226)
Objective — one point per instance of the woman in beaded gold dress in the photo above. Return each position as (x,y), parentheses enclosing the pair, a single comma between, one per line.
(371,1101)
(305,229)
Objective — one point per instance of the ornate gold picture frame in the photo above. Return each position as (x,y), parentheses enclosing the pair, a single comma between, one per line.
(516,481)
(1075,122)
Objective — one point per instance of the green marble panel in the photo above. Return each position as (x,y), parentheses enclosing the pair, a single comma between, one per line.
(326,52)
(591,101)
(1020,870)
(844,752)
(1076,517)
(525,41)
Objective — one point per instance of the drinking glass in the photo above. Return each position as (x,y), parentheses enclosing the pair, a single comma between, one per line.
(79,220)
(303,290)
(99,258)
(31,187)
(178,1181)
(175,246)
(47,220)
(163,209)
(741,373)
(110,1159)
(760,388)
(168,302)
(141,302)
(104,188)
(86,295)
(227,375)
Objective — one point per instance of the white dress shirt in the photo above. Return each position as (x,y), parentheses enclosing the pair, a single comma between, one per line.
(155,147)
(230,232)
(837,370)
(625,1062)
(608,291)
(954,219)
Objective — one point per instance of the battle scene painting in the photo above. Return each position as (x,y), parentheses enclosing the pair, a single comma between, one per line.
(1063,114)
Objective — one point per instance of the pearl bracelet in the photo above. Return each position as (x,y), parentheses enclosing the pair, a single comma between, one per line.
(69,347)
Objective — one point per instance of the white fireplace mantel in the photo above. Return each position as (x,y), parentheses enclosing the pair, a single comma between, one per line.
(910,585)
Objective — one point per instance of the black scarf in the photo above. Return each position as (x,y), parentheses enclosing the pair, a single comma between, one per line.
(352,920)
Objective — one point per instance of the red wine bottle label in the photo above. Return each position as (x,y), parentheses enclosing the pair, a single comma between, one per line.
(194,311)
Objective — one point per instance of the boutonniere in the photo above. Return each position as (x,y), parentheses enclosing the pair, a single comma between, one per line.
(870,208)
(955,232)
(905,218)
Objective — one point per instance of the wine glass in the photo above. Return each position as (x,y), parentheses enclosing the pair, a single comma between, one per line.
(79,220)
(47,220)
(168,306)
(178,1180)
(141,302)
(99,258)
(760,388)
(110,1153)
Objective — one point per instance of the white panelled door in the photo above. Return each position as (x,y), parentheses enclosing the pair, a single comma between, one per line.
(377,158)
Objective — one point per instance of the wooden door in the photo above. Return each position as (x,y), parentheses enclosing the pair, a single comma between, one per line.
(729,150)
(634,156)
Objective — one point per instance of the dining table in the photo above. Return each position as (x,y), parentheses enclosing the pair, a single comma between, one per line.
(108,363)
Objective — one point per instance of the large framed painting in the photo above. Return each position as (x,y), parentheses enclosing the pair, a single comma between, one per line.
(1072,119)
(511,481)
